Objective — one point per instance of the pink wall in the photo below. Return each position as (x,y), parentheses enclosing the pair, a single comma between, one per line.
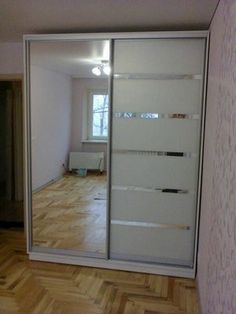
(11,60)
(50,124)
(217,248)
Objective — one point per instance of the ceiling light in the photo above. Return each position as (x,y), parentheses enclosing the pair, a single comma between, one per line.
(103,68)
(97,71)
(106,69)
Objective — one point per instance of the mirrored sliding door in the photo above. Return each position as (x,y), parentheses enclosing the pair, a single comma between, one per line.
(69,109)
(156,126)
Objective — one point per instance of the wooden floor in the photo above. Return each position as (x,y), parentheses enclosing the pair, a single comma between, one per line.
(71,214)
(42,288)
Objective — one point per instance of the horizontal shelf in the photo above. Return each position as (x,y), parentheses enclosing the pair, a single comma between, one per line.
(153,76)
(154,153)
(154,115)
(149,224)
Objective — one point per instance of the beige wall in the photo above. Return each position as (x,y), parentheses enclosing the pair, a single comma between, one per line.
(217,247)
(11,58)
(50,123)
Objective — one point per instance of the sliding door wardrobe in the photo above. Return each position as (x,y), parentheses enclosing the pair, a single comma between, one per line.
(155,147)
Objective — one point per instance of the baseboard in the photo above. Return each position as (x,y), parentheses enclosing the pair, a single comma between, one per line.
(47,184)
(181,272)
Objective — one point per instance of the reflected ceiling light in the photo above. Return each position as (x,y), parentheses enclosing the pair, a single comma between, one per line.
(102,68)
(106,69)
(97,71)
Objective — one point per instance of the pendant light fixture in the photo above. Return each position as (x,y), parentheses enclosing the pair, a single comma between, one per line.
(96,71)
(102,68)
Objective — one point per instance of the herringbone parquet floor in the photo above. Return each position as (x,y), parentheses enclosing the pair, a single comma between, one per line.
(71,214)
(44,288)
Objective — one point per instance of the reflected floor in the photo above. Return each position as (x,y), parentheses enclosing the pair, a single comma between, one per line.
(71,214)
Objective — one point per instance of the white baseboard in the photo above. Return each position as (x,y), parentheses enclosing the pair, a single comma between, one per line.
(47,184)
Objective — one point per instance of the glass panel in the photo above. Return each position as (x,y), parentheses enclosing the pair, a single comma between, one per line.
(150,244)
(151,134)
(154,171)
(155,149)
(166,208)
(162,96)
(69,181)
(159,56)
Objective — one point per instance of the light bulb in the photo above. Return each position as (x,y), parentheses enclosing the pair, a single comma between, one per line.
(106,69)
(97,71)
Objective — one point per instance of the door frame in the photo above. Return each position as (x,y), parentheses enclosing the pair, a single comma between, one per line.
(18,77)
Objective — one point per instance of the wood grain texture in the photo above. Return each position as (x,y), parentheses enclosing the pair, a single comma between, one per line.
(71,214)
(44,288)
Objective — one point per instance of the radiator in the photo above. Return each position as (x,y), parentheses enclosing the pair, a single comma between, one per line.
(91,161)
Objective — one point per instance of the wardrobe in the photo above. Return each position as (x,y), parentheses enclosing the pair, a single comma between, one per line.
(157,93)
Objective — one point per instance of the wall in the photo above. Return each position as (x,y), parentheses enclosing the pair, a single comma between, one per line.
(11,60)
(2,139)
(217,248)
(51,119)
(80,91)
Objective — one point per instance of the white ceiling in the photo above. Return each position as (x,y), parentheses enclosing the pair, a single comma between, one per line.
(72,58)
(18,17)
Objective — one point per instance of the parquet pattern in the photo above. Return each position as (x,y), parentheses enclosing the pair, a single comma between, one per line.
(29,287)
(71,214)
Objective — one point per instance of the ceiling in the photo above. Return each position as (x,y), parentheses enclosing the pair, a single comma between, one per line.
(70,16)
(72,58)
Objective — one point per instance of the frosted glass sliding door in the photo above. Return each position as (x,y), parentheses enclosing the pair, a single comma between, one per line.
(156,124)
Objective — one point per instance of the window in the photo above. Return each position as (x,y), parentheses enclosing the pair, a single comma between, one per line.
(98,115)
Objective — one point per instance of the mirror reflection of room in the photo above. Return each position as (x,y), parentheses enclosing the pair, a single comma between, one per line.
(69,131)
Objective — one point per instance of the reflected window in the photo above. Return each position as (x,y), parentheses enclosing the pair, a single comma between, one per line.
(98,115)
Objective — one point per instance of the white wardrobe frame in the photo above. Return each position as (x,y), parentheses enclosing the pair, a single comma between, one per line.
(67,257)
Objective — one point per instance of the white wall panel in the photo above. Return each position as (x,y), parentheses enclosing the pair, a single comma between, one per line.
(161,76)
(165,208)
(175,135)
(149,244)
(170,56)
(172,96)
(154,171)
